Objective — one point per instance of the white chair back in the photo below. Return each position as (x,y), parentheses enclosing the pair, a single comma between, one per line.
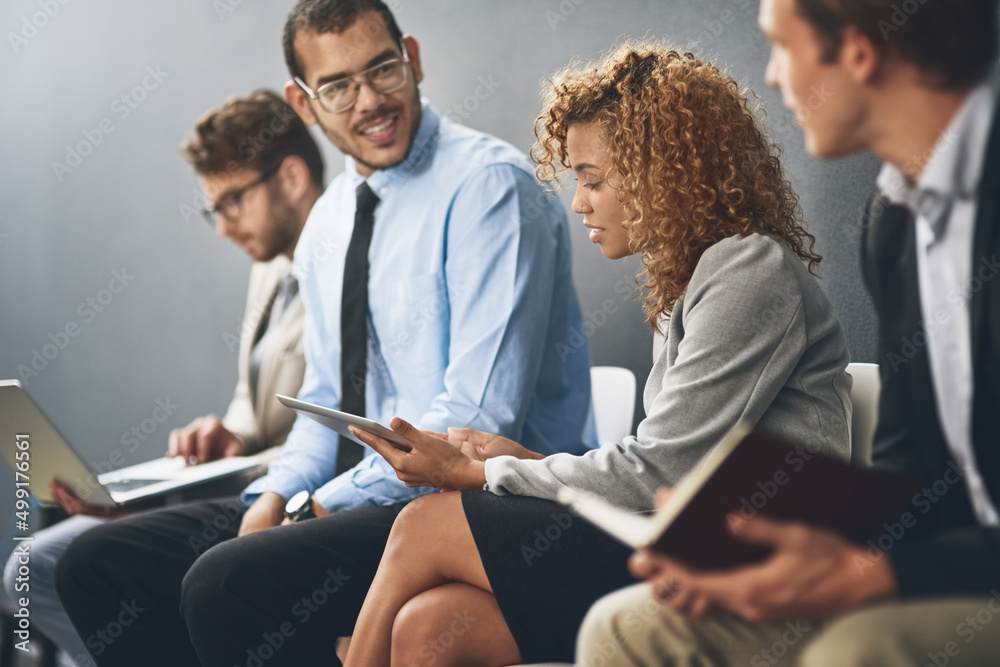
(658,343)
(613,389)
(864,396)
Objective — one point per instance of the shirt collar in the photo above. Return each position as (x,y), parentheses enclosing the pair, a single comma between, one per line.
(955,167)
(382,180)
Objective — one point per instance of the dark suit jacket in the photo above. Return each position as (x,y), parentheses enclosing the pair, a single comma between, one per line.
(946,552)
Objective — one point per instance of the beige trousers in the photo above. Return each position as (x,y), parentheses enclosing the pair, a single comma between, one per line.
(629,627)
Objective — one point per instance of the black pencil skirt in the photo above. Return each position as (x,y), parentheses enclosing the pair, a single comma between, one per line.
(546,565)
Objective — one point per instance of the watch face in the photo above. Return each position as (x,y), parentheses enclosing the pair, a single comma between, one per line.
(297,503)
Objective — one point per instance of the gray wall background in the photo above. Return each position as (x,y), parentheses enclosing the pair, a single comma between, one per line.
(64,232)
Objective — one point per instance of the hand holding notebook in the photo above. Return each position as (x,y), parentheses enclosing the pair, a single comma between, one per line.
(747,474)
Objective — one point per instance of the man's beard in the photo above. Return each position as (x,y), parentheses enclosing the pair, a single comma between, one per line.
(335,138)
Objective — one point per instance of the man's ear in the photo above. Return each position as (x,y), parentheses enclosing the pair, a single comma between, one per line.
(300,102)
(294,177)
(413,52)
(859,57)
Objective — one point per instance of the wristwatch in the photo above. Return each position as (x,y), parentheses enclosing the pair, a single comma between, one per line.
(300,507)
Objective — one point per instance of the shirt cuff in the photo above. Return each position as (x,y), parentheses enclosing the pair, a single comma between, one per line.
(371,483)
(286,488)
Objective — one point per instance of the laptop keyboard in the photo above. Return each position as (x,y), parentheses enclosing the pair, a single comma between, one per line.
(123,485)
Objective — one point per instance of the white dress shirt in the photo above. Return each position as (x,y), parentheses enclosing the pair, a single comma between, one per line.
(944,203)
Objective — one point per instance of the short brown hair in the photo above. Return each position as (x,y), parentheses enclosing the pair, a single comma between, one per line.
(953,42)
(254,132)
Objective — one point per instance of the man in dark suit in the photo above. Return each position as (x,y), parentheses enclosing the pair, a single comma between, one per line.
(911,81)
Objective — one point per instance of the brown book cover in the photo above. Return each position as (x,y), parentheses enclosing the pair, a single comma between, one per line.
(763,475)
(746,474)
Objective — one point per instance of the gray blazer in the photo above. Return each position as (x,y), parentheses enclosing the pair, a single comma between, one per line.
(753,337)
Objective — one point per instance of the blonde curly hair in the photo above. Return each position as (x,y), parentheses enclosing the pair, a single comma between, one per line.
(693,164)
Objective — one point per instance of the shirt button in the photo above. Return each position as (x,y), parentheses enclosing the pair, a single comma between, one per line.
(383,191)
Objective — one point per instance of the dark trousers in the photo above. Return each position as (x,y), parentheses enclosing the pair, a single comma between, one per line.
(162,588)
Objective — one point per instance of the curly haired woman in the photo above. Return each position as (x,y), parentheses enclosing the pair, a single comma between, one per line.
(672,163)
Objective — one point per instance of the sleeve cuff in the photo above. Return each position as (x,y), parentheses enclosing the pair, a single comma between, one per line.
(286,488)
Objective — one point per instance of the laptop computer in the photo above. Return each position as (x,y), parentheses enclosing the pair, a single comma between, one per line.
(25,428)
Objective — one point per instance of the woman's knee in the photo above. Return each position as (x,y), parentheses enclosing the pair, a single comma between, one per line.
(422,518)
(409,630)
(427,630)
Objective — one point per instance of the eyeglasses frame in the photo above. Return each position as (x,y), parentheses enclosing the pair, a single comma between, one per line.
(316,94)
(213,212)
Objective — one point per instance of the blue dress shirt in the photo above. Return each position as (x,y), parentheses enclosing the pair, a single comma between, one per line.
(473,319)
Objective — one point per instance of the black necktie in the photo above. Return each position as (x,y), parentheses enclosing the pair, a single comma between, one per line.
(354,324)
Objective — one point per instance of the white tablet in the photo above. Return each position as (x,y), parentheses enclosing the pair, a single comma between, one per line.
(339,421)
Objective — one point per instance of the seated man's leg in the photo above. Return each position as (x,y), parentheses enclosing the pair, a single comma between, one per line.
(953,632)
(283,596)
(34,563)
(629,627)
(120,582)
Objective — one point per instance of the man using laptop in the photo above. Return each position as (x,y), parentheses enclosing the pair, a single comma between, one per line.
(914,83)
(443,299)
(260,202)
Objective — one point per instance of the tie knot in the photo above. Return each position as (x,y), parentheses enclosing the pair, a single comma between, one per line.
(290,285)
(935,207)
(366,198)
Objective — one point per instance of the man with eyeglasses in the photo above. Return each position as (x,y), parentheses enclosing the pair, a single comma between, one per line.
(260,201)
(436,277)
